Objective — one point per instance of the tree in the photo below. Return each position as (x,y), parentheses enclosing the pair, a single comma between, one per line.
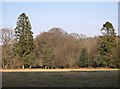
(24,40)
(47,57)
(118,51)
(6,41)
(57,49)
(107,45)
(84,58)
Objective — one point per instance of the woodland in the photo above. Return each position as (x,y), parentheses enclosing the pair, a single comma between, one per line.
(58,49)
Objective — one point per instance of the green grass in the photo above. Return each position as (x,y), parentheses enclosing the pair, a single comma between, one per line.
(60,79)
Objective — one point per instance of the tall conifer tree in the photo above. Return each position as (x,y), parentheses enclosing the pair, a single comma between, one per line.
(24,39)
(107,44)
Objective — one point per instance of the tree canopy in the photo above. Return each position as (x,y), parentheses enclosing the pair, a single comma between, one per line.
(107,44)
(24,39)
(56,48)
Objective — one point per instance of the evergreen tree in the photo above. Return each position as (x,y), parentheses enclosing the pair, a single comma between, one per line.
(107,44)
(24,40)
(47,57)
(84,58)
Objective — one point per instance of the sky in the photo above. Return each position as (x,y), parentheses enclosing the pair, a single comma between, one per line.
(119,18)
(73,17)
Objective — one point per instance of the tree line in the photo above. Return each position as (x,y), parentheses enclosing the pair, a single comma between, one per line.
(58,49)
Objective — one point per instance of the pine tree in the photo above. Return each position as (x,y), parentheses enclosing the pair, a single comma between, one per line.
(24,40)
(107,44)
(84,58)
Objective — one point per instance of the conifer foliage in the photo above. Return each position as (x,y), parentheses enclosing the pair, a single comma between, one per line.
(107,44)
(24,39)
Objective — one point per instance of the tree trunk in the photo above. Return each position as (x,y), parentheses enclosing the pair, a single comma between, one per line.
(3,64)
(30,67)
(11,65)
(23,67)
(106,66)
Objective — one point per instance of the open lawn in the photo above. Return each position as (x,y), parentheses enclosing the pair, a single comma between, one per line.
(60,78)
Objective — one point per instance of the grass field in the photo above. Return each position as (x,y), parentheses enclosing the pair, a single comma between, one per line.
(60,79)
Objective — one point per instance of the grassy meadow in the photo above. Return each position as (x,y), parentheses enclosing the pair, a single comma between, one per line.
(61,79)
